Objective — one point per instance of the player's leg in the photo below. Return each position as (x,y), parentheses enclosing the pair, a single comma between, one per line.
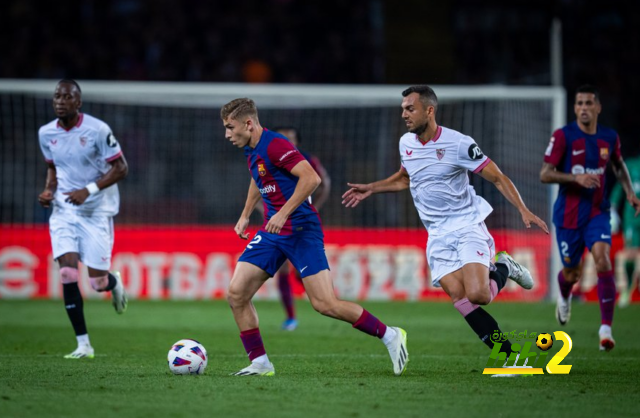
(95,237)
(571,246)
(319,288)
(286,297)
(74,305)
(480,321)
(598,240)
(260,260)
(64,242)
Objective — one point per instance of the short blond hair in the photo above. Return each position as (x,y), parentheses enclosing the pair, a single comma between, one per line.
(238,108)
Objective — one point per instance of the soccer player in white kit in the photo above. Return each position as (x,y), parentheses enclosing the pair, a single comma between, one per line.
(460,251)
(84,164)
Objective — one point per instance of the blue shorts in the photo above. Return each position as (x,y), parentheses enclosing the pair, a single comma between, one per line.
(572,242)
(304,248)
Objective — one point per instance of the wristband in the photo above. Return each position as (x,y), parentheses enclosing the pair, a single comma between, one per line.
(92,188)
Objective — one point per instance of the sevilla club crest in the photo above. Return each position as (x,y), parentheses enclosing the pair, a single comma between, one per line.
(440,153)
(261,170)
(83,140)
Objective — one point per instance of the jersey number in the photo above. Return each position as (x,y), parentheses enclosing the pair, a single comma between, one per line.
(255,240)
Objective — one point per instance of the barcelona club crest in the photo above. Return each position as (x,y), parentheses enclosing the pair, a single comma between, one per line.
(440,153)
(604,153)
(261,170)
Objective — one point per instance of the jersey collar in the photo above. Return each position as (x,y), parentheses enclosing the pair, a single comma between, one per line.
(77,125)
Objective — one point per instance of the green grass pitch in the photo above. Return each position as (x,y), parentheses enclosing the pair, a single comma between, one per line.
(323,369)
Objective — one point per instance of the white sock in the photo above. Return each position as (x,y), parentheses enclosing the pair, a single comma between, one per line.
(263,359)
(605,329)
(83,339)
(389,336)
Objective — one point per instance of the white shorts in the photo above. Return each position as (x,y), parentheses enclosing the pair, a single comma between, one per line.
(89,236)
(448,253)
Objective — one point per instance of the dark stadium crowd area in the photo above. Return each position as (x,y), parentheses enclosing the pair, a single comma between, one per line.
(285,41)
(333,41)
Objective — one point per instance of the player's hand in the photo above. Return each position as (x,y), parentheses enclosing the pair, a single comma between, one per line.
(241,227)
(275,224)
(356,194)
(635,203)
(528,218)
(77,197)
(45,198)
(588,181)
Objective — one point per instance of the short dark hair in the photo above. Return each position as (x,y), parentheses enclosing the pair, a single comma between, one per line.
(588,88)
(289,128)
(427,95)
(71,81)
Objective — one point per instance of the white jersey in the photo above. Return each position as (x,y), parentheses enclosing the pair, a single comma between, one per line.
(81,156)
(439,180)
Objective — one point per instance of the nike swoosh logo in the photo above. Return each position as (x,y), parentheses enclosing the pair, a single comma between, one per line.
(607,300)
(577,152)
(303,268)
(603,236)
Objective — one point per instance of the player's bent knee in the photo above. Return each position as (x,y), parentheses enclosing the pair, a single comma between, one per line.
(68,275)
(479,298)
(236,298)
(326,308)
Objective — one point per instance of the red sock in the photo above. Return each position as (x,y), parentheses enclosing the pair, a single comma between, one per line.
(371,325)
(252,342)
(606,296)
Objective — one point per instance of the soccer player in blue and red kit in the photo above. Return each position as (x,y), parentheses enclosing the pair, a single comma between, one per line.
(285,180)
(577,158)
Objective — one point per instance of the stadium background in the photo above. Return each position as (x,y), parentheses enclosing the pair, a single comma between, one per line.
(186,186)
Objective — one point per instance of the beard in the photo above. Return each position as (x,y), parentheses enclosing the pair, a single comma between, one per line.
(418,130)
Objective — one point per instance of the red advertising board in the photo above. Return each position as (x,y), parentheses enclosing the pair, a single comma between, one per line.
(195,262)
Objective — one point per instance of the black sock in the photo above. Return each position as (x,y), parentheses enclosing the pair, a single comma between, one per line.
(111,284)
(73,303)
(484,325)
(500,275)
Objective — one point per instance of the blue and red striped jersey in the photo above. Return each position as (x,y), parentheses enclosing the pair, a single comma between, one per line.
(270,164)
(573,151)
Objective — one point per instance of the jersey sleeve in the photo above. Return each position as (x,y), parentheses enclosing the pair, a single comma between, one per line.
(556,148)
(283,154)
(470,156)
(108,145)
(44,146)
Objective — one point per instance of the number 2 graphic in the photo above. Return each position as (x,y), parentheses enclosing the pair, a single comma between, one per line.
(554,367)
(255,240)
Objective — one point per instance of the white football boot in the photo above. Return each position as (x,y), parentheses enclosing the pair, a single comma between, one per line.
(398,351)
(257,369)
(118,294)
(517,272)
(83,351)
(606,338)
(563,309)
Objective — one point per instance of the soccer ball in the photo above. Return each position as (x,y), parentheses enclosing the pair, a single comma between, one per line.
(187,357)
(544,341)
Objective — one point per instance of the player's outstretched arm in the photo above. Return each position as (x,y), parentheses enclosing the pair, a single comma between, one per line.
(50,186)
(549,174)
(504,184)
(253,198)
(308,181)
(358,192)
(119,170)
(622,174)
